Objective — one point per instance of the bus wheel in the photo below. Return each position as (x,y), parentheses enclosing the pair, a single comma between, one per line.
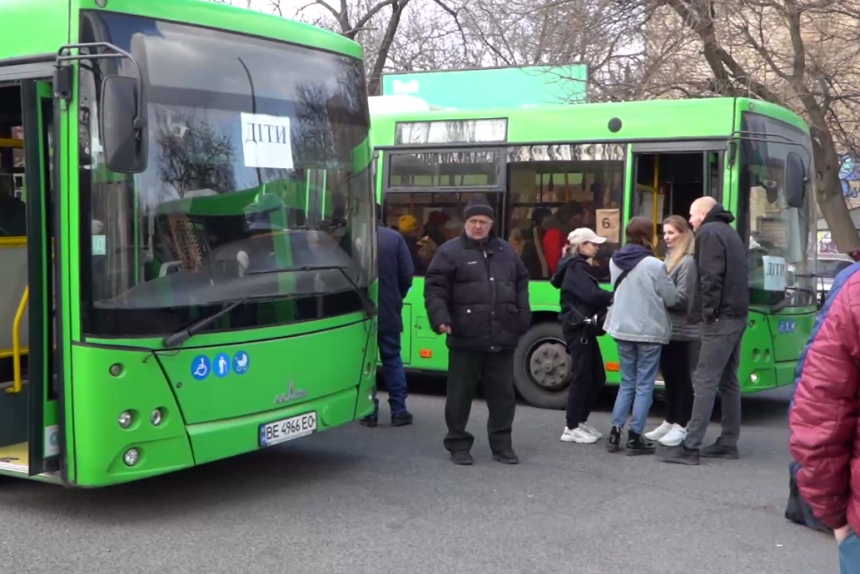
(542,367)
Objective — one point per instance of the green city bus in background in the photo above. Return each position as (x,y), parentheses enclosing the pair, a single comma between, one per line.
(546,167)
(187,234)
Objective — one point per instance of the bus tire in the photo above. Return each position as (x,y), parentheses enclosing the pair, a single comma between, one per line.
(542,367)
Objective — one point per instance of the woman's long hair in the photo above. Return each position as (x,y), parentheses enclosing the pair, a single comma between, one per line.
(684,245)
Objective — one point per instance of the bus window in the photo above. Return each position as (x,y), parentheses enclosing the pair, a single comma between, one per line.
(427,220)
(553,190)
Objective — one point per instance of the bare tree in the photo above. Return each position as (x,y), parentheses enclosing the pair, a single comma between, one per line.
(801,54)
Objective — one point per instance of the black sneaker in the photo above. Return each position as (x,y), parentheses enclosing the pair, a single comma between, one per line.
(719,450)
(370,421)
(613,443)
(402,419)
(507,456)
(637,444)
(679,455)
(461,457)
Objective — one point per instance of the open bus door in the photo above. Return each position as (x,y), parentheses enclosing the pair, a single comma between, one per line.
(669,176)
(29,414)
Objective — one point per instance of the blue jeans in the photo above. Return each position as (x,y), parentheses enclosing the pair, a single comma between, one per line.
(849,555)
(639,365)
(395,375)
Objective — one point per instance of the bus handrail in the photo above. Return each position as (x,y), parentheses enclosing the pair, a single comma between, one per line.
(16,342)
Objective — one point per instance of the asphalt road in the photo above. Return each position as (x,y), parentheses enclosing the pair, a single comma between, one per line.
(388,500)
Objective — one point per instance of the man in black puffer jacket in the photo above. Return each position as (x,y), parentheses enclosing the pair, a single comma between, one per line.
(476,291)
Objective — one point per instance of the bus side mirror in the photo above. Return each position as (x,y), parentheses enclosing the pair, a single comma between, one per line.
(795,180)
(123,126)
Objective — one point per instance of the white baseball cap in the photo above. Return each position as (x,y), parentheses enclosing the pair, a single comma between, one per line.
(584,235)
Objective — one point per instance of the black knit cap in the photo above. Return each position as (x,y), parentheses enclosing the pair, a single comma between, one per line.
(478,205)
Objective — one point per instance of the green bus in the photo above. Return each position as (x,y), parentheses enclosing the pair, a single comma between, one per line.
(187,233)
(547,168)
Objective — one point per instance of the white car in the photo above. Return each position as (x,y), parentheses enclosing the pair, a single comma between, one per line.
(827,267)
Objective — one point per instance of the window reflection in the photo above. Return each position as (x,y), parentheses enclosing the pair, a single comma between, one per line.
(779,235)
(258,161)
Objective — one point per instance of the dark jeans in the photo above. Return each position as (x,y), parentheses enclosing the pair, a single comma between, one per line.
(395,375)
(849,555)
(718,369)
(588,379)
(496,372)
(677,362)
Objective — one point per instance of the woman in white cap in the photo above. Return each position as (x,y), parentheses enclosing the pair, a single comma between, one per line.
(583,302)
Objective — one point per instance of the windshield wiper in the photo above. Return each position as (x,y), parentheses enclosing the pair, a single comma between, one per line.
(179,337)
(369,308)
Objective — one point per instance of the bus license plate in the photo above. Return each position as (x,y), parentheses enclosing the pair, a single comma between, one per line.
(288,429)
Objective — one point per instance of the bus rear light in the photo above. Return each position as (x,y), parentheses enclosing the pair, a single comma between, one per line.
(125,419)
(425,354)
(131,457)
(614,367)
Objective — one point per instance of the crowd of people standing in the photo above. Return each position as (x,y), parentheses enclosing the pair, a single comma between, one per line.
(683,318)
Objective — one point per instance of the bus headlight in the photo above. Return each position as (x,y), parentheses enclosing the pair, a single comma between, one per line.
(754,378)
(131,457)
(157,417)
(125,419)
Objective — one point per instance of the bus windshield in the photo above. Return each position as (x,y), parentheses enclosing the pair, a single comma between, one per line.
(258,160)
(778,235)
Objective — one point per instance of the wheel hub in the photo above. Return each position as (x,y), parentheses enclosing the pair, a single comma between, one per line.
(549,364)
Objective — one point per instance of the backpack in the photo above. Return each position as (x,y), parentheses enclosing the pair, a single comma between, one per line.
(796,509)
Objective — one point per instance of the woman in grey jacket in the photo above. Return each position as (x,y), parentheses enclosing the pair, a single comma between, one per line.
(639,323)
(680,356)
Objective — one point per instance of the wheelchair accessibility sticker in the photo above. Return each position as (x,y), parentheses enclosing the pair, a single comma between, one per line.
(787,326)
(200,367)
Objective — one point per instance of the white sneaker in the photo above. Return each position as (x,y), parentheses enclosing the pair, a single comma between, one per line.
(590,430)
(659,432)
(675,436)
(577,435)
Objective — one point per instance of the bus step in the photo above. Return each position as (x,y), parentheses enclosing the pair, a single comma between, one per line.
(15,458)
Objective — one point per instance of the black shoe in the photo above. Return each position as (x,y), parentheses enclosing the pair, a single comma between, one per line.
(638,444)
(461,457)
(679,455)
(370,421)
(719,450)
(507,456)
(613,443)
(402,419)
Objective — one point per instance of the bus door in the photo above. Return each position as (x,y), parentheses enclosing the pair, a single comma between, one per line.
(29,430)
(669,176)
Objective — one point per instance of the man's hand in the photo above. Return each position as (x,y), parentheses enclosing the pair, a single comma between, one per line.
(445,329)
(842,534)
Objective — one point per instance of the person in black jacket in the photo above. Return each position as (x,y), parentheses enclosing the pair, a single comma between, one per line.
(395,279)
(582,300)
(476,291)
(722,298)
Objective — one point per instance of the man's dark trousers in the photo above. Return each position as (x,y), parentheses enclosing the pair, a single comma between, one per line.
(395,375)
(466,368)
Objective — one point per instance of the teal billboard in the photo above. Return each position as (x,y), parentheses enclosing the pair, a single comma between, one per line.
(493,87)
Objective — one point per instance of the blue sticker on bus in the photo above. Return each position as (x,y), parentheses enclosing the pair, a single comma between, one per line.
(200,367)
(222,365)
(787,326)
(241,362)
